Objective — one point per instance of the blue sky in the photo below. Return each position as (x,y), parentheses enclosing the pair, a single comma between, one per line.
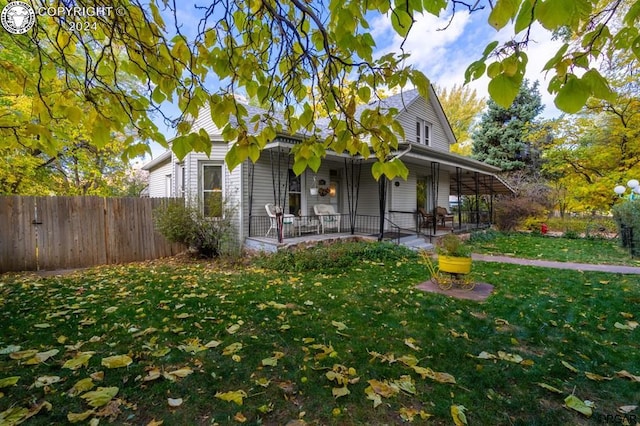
(443,55)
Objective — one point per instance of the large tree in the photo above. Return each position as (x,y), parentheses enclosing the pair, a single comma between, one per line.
(600,148)
(463,106)
(62,157)
(279,51)
(502,136)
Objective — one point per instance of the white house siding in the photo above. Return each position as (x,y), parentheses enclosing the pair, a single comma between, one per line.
(444,189)
(231,179)
(157,180)
(205,122)
(420,108)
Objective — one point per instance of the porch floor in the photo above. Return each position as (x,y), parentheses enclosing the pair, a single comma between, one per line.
(270,244)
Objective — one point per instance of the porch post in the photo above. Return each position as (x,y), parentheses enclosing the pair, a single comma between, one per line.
(353,190)
(491,202)
(382,192)
(435,185)
(251,175)
(476,179)
(280,191)
(458,191)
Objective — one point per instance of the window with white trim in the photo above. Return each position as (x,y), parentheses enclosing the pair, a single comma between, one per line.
(167,186)
(423,132)
(295,193)
(211,189)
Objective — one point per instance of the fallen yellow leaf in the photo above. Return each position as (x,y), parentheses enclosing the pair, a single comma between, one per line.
(596,377)
(232,348)
(458,416)
(41,357)
(79,417)
(440,377)
(341,391)
(569,366)
(578,405)
(626,375)
(23,354)
(101,396)
(116,361)
(339,325)
(9,381)
(549,388)
(81,386)
(232,396)
(80,360)
(43,381)
(411,342)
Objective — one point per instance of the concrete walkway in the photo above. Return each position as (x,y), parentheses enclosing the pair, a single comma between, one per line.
(615,269)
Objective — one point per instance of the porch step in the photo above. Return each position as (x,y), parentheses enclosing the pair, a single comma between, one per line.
(416,243)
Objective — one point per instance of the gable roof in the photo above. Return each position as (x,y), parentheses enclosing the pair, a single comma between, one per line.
(403,100)
(161,159)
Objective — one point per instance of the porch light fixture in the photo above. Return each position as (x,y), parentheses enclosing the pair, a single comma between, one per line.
(332,189)
(314,188)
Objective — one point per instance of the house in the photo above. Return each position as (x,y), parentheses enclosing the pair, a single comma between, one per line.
(343,184)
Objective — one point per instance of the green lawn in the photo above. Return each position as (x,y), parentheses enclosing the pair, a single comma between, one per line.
(536,246)
(287,344)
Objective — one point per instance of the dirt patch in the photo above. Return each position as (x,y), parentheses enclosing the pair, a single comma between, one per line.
(479,293)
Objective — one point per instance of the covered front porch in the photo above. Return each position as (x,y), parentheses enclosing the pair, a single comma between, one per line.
(283,207)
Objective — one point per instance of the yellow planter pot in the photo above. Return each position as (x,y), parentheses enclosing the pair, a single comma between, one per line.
(454,265)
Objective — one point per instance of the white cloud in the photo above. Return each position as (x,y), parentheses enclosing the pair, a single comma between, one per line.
(445,55)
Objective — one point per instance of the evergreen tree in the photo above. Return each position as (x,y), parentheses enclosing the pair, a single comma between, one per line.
(501,138)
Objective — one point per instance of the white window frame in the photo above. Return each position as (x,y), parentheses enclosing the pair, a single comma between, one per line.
(423,132)
(301,192)
(201,189)
(167,185)
(427,133)
(183,180)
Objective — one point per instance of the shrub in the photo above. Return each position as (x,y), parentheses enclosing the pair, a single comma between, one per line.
(333,256)
(627,216)
(571,234)
(511,212)
(588,225)
(452,245)
(187,224)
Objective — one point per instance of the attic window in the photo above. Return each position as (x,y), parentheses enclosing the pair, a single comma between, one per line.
(423,132)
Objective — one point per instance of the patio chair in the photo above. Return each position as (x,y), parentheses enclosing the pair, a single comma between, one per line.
(425,219)
(329,218)
(444,216)
(287,219)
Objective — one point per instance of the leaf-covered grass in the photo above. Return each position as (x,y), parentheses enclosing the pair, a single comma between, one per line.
(359,326)
(536,246)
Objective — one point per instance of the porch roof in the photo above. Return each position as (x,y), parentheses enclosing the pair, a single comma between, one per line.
(488,181)
(487,184)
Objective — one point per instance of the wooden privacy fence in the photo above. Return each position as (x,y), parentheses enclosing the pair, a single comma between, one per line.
(48,233)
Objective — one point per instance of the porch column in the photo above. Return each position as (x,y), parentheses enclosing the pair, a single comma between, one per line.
(435,185)
(251,175)
(491,201)
(458,194)
(352,175)
(477,182)
(280,189)
(382,193)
